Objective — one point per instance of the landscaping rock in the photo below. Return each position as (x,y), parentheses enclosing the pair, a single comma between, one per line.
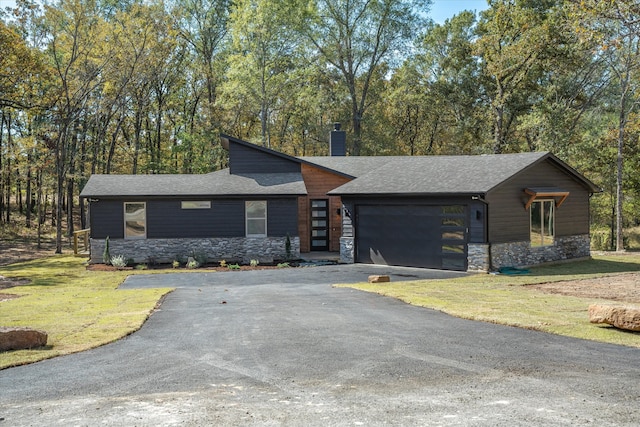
(621,316)
(379,279)
(21,338)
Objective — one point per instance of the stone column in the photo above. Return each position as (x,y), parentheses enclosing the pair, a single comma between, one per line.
(346,250)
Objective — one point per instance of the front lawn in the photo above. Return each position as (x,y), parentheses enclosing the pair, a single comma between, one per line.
(508,300)
(78,309)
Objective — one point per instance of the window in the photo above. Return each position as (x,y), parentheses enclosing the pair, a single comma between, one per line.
(135,220)
(542,222)
(256,217)
(197,204)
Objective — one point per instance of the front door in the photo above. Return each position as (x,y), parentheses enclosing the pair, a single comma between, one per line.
(320,225)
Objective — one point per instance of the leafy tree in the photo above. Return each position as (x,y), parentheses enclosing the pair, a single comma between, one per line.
(266,56)
(615,24)
(358,37)
(515,37)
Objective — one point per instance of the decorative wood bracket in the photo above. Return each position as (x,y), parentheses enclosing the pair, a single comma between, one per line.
(539,193)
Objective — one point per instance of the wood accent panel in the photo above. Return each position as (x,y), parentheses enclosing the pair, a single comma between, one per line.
(319,182)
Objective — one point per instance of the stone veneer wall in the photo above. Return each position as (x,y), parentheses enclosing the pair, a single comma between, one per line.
(346,250)
(519,254)
(264,249)
(478,259)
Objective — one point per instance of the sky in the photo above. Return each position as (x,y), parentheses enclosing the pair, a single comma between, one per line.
(444,9)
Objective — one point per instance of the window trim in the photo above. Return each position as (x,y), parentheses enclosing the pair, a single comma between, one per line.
(124,212)
(247,219)
(543,237)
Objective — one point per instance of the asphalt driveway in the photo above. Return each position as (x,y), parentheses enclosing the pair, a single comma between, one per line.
(283,347)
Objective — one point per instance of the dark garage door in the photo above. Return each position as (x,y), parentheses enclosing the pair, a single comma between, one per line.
(412,236)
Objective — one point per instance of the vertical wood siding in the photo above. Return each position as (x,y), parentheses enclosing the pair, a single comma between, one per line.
(508,221)
(319,182)
(248,160)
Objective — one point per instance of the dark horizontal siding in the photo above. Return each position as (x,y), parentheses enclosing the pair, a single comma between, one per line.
(106,219)
(282,217)
(509,221)
(477,222)
(167,219)
(247,160)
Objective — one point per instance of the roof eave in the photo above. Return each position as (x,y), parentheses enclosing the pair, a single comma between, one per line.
(421,194)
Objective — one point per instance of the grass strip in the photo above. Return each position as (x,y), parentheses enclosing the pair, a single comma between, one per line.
(79,309)
(507,300)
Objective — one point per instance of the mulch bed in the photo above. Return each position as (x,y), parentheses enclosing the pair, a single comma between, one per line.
(167,267)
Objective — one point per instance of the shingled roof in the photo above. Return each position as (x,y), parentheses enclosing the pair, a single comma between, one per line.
(432,175)
(215,184)
(374,175)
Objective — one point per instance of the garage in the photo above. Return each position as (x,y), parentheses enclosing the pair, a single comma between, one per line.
(428,236)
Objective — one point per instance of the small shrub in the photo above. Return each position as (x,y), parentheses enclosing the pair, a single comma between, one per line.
(283,265)
(106,256)
(223,263)
(199,257)
(233,267)
(141,267)
(287,246)
(254,263)
(192,263)
(119,261)
(175,263)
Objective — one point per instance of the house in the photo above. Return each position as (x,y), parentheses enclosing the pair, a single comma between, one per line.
(451,212)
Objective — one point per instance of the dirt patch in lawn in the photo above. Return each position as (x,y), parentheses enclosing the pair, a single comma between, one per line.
(9,282)
(19,251)
(620,287)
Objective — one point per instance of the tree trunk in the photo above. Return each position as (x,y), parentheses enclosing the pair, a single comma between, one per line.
(60,180)
(1,170)
(29,191)
(8,171)
(619,166)
(39,207)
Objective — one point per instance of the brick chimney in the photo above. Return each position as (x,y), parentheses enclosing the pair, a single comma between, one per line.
(337,141)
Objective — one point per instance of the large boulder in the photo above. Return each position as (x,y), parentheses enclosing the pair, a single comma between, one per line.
(21,338)
(621,316)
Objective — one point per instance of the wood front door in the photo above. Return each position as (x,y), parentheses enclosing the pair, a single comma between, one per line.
(320,225)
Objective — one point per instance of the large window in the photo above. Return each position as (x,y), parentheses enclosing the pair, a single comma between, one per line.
(542,222)
(256,217)
(135,220)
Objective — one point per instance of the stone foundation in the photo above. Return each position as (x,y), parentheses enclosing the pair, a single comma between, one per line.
(346,250)
(521,254)
(263,249)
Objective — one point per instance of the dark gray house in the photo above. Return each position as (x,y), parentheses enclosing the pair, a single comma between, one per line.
(451,212)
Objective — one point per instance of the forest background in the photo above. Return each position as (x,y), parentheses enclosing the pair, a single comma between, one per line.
(146,87)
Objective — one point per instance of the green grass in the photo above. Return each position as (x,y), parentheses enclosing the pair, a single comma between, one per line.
(507,300)
(78,309)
